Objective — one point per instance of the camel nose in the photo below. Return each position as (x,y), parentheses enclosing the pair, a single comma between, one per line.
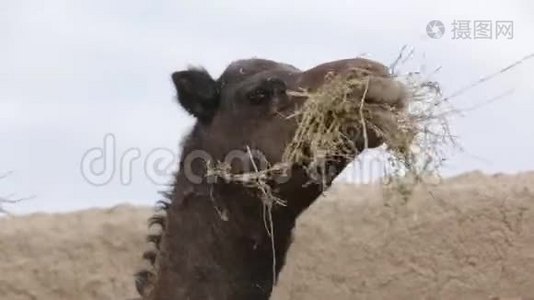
(315,77)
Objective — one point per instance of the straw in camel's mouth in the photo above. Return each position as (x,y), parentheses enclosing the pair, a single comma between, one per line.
(345,108)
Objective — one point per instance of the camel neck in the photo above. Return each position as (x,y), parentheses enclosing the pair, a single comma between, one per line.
(216,244)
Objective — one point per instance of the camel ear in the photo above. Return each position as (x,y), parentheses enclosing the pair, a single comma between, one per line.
(197,93)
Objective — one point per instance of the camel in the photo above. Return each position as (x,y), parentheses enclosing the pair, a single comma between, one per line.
(213,242)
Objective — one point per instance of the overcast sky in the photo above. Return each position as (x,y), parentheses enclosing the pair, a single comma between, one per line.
(72,72)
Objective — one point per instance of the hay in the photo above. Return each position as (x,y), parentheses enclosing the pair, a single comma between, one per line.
(337,113)
(258,180)
(326,119)
(429,112)
(412,162)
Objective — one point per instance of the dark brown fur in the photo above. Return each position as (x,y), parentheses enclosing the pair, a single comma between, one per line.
(214,243)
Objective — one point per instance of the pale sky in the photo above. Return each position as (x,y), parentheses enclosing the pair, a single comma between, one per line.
(72,72)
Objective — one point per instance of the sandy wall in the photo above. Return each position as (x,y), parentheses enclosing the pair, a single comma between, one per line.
(469,238)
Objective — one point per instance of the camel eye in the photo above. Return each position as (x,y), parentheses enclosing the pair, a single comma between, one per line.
(259,96)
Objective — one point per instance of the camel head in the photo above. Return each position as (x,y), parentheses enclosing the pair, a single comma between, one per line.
(246,112)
